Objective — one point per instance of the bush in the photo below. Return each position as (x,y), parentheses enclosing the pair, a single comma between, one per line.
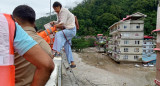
(79,44)
(91,42)
(101,44)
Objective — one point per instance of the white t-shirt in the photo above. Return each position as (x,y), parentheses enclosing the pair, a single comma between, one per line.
(66,18)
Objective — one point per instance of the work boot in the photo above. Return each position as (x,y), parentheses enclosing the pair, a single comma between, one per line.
(73,65)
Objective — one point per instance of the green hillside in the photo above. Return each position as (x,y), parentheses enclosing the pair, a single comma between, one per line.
(95,16)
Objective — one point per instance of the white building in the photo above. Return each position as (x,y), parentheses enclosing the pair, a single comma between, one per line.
(127,38)
(148,54)
(148,45)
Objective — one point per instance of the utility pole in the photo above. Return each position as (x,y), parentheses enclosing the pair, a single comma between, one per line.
(50,9)
(157,80)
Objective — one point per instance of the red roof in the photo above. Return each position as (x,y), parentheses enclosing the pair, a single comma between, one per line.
(128,17)
(99,34)
(156,30)
(157,49)
(148,37)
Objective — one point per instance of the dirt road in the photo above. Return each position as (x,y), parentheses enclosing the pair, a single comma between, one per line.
(95,69)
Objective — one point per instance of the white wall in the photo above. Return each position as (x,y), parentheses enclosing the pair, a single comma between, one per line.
(132,35)
(130,57)
(131,50)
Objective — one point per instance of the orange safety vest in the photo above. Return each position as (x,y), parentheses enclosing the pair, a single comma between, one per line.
(7,32)
(45,35)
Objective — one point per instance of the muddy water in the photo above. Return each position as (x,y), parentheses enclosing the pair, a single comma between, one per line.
(97,69)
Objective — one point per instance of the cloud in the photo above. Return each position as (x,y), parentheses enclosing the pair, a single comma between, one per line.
(40,6)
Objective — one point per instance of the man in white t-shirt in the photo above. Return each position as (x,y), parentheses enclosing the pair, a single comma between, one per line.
(65,20)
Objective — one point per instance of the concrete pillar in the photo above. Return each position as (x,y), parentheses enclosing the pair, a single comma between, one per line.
(157,80)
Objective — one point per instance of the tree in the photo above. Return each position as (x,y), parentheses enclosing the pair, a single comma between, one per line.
(106,20)
(95,16)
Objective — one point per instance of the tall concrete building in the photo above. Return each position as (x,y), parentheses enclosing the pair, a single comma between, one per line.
(148,55)
(127,38)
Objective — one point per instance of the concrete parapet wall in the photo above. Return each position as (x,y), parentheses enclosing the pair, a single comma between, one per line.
(55,78)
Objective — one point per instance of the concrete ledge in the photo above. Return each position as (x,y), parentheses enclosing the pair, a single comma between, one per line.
(55,78)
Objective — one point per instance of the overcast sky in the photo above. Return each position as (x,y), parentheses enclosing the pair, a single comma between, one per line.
(40,6)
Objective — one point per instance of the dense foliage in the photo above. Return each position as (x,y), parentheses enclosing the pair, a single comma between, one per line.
(91,42)
(79,44)
(95,16)
(43,20)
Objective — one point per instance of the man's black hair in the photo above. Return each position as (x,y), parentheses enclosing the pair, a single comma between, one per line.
(56,4)
(24,13)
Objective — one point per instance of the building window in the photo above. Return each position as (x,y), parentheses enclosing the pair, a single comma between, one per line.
(136,50)
(137,42)
(118,27)
(144,42)
(125,49)
(126,42)
(150,46)
(136,57)
(144,46)
(137,27)
(119,35)
(125,27)
(144,51)
(118,56)
(111,30)
(125,57)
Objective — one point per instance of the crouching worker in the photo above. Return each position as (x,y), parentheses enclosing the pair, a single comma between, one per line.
(25,71)
(63,38)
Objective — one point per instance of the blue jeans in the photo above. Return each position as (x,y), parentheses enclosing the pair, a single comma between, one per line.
(61,41)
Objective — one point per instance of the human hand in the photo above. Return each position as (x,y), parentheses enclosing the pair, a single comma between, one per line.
(60,26)
(52,23)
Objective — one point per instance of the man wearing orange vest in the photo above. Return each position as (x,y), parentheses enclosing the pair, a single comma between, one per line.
(12,38)
(25,17)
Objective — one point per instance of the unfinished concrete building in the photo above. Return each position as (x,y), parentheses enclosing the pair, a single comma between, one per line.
(127,38)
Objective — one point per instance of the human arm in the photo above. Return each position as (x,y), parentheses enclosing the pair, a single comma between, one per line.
(47,32)
(76,22)
(32,52)
(43,63)
(60,26)
(54,22)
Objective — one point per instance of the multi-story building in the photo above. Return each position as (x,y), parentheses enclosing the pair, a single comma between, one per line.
(148,54)
(127,38)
